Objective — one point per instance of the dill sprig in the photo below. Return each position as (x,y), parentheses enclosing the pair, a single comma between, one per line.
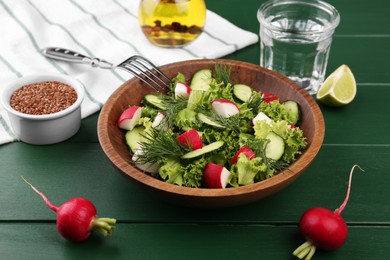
(222,73)
(232,122)
(158,144)
(276,165)
(255,101)
(258,145)
(173,107)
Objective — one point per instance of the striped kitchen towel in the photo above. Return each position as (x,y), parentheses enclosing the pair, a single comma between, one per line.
(106,29)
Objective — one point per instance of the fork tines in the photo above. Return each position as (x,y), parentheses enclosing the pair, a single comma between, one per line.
(146,71)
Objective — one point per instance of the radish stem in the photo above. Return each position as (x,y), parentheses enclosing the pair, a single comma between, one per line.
(306,249)
(103,225)
(311,253)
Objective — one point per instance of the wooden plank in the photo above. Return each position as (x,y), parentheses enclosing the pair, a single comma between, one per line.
(366,56)
(87,132)
(170,241)
(364,121)
(358,18)
(362,18)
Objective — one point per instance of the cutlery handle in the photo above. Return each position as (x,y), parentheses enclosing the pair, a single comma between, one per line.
(75,57)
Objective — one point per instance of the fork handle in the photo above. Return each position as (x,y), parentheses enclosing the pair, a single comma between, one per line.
(75,57)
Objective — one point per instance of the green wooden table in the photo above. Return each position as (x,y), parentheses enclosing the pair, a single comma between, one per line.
(150,229)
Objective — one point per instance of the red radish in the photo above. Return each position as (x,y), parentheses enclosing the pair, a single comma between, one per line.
(261,116)
(224,107)
(191,139)
(216,176)
(182,90)
(76,218)
(157,120)
(268,97)
(323,228)
(128,119)
(245,150)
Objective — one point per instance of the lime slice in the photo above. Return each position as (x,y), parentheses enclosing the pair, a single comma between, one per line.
(339,88)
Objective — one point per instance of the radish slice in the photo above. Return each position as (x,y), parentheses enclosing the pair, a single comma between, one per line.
(182,90)
(261,116)
(216,176)
(191,139)
(128,119)
(268,97)
(157,120)
(224,107)
(146,167)
(245,150)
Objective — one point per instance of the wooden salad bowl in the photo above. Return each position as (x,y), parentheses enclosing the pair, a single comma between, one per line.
(113,143)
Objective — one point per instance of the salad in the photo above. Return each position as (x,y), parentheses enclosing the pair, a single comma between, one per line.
(210,132)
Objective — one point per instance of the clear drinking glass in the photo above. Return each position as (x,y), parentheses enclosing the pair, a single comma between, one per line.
(172,23)
(295,39)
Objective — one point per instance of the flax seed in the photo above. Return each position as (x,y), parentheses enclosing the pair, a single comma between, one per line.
(43,98)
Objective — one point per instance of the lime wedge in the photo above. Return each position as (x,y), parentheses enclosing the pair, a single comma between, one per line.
(339,88)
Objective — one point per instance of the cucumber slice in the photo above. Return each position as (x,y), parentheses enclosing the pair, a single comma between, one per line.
(155,101)
(195,99)
(294,111)
(134,137)
(207,120)
(205,149)
(201,80)
(242,92)
(275,148)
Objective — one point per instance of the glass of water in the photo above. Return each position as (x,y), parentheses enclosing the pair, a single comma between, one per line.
(295,39)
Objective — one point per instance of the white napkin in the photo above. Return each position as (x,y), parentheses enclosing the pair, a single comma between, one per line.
(106,29)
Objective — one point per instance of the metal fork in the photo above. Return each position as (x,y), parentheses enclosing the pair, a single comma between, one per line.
(136,65)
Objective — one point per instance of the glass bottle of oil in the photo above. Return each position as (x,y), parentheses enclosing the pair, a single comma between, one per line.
(172,23)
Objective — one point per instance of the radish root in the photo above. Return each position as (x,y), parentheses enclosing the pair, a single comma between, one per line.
(341,208)
(45,199)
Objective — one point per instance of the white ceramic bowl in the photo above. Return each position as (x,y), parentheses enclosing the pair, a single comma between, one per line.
(48,128)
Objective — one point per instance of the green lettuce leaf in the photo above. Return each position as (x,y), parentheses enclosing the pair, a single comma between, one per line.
(262,129)
(193,173)
(148,111)
(186,119)
(246,115)
(230,138)
(248,171)
(295,143)
(171,171)
(276,111)
(293,138)
(218,90)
